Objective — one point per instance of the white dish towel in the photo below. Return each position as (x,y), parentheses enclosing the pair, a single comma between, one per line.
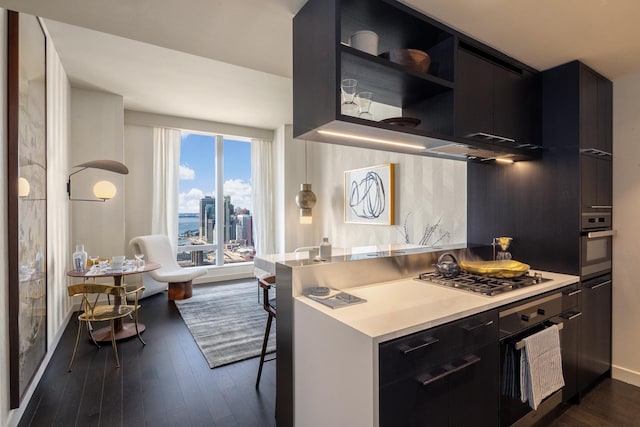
(540,366)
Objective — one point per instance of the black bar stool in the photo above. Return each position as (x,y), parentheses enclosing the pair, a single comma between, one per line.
(269,305)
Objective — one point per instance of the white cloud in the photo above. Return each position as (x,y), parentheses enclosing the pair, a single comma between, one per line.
(240,192)
(190,202)
(187,173)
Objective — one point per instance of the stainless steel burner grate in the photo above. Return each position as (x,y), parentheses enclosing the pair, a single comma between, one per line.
(480,284)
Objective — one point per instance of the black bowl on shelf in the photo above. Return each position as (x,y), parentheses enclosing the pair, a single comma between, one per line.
(406,122)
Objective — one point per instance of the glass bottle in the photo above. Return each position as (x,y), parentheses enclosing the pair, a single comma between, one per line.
(325,249)
(79,259)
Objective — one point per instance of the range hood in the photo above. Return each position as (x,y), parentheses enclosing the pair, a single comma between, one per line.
(357,132)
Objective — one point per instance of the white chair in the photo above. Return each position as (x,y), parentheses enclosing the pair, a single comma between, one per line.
(157,248)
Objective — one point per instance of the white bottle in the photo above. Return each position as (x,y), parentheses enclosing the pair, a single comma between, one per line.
(325,249)
(79,259)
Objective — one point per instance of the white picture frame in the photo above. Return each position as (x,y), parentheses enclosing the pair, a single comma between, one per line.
(369,195)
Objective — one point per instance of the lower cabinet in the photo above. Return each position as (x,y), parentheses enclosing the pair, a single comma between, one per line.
(446,376)
(595,331)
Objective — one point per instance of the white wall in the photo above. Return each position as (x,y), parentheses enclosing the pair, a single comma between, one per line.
(426,189)
(58,250)
(626,251)
(97,133)
(138,156)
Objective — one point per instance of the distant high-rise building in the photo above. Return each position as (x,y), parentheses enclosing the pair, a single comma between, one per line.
(244,228)
(229,220)
(207,218)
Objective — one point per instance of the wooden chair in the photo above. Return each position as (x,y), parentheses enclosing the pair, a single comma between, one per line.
(269,305)
(94,310)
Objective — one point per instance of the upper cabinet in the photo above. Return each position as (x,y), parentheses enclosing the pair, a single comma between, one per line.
(596,101)
(414,108)
(496,98)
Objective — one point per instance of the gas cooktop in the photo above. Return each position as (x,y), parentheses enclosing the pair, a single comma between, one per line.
(481,284)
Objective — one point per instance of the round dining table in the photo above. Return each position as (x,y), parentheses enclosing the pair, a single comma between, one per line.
(122,330)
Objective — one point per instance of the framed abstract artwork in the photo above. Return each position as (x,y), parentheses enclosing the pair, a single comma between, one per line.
(369,195)
(27,200)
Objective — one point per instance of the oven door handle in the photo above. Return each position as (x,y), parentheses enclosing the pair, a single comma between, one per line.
(448,369)
(599,234)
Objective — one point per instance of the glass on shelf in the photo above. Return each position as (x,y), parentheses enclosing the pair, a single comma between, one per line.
(363,99)
(348,89)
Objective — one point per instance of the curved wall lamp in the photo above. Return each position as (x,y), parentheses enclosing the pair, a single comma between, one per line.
(103,190)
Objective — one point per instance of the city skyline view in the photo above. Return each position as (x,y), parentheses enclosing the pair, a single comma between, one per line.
(197,172)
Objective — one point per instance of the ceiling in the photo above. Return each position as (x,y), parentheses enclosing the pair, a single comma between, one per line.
(230,60)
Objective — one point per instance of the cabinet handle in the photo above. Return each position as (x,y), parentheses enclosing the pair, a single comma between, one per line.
(599,285)
(595,152)
(427,343)
(449,369)
(572,316)
(481,325)
(572,293)
(527,317)
(600,207)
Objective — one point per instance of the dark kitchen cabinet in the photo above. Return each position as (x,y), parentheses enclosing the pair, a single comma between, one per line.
(596,136)
(424,376)
(495,99)
(569,343)
(322,58)
(595,331)
(596,95)
(596,182)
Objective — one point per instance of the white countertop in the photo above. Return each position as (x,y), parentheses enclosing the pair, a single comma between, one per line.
(400,307)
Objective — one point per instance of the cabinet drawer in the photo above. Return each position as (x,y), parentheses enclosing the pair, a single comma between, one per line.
(422,350)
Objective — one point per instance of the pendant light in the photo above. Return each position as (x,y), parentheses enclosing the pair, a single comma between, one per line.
(305,199)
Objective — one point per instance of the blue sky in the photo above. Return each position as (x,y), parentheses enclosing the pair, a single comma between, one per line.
(197,173)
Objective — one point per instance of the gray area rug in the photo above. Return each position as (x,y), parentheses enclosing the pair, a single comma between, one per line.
(227,321)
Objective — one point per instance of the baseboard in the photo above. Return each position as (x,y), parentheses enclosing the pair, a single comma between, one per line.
(625,375)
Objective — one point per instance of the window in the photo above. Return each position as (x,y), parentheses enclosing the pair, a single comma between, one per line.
(212,168)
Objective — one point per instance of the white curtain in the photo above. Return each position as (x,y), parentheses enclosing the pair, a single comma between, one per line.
(166,167)
(262,196)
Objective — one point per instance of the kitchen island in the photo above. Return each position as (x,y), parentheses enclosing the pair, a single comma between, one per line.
(337,349)
(328,367)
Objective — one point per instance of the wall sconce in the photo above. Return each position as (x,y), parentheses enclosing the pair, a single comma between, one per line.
(24,188)
(305,199)
(103,190)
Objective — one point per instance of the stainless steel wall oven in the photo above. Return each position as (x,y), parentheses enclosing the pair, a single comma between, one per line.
(596,243)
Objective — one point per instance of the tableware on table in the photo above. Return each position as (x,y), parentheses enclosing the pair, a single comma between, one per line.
(139,260)
(363,99)
(348,89)
(94,260)
(117,262)
(365,40)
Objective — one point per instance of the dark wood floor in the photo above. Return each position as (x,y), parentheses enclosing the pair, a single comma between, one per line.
(165,383)
(611,403)
(168,383)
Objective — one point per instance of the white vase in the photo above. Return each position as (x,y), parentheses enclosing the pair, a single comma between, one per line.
(79,259)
